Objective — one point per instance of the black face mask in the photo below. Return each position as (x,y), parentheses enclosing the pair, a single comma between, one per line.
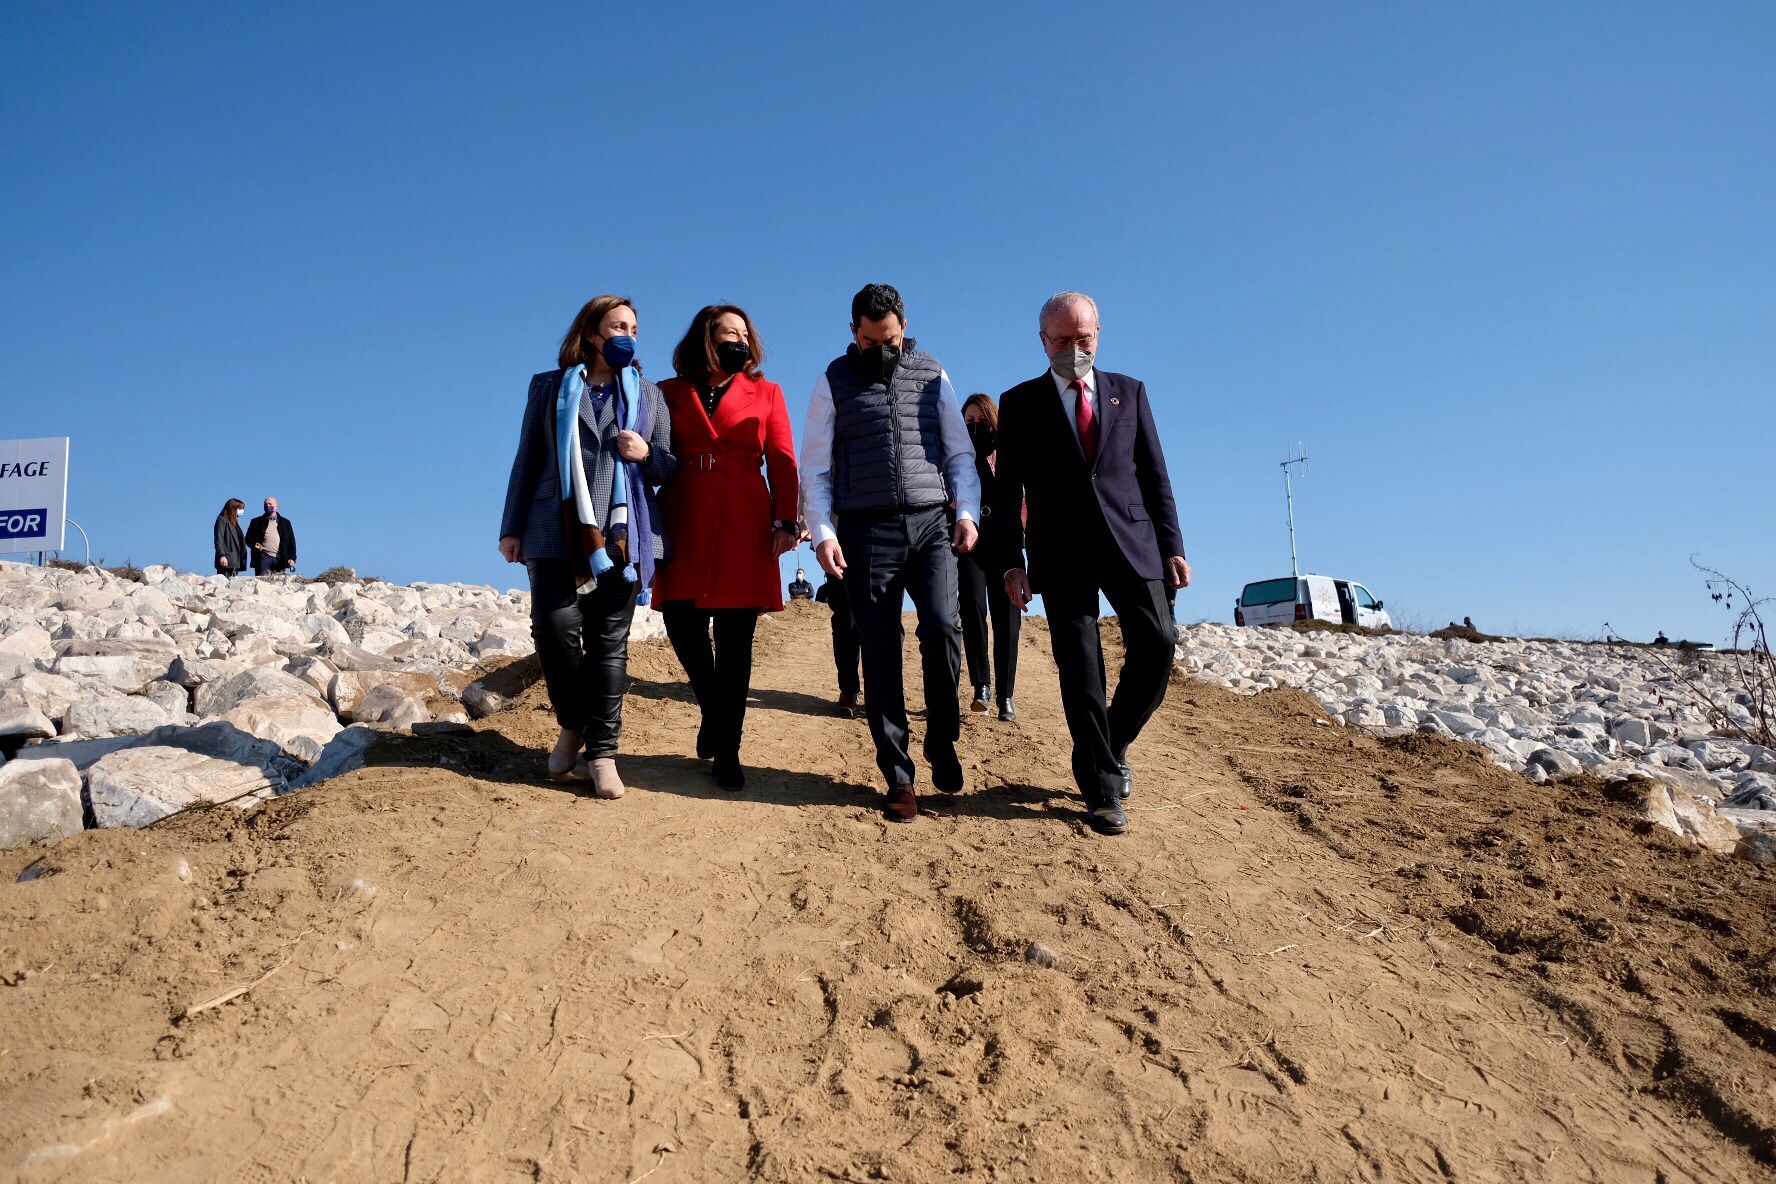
(985,439)
(733,356)
(878,361)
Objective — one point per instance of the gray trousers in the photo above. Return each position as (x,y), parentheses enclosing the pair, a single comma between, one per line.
(888,556)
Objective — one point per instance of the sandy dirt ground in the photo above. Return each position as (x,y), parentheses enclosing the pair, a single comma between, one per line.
(1317,956)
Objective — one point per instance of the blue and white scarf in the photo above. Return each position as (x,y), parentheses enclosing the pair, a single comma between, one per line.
(629,508)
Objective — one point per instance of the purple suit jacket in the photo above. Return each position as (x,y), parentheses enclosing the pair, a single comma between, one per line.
(1070,503)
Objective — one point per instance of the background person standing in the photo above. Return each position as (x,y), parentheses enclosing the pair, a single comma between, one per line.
(272,540)
(1078,448)
(980,578)
(844,643)
(230,543)
(885,450)
(729,522)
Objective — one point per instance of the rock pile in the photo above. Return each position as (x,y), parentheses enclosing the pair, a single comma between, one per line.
(1551,710)
(123,702)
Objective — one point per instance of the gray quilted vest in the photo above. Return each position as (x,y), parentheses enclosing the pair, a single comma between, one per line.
(887,451)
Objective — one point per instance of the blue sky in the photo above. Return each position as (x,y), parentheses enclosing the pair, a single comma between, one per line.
(1508,270)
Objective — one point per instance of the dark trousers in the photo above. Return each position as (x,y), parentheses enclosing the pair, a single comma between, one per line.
(264,564)
(583,645)
(721,677)
(983,597)
(890,555)
(1103,732)
(846,652)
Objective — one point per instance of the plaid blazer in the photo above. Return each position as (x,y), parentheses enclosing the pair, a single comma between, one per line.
(533,492)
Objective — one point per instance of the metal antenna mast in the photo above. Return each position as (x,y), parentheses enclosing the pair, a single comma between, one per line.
(1300,458)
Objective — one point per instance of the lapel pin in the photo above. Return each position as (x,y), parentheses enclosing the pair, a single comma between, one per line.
(1115,402)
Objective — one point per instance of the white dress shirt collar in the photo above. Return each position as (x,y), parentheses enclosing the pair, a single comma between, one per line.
(1066,388)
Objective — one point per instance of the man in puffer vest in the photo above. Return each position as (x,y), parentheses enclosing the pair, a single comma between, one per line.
(890,495)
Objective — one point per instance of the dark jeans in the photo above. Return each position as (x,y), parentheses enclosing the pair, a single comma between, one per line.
(890,555)
(721,677)
(846,653)
(583,644)
(264,564)
(1102,733)
(983,596)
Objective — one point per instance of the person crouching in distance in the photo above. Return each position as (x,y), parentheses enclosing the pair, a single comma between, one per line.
(1079,454)
(580,514)
(728,521)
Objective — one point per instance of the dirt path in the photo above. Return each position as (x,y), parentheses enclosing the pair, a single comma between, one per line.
(1316,956)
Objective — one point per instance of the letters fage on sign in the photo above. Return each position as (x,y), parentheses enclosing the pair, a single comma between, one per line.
(33,494)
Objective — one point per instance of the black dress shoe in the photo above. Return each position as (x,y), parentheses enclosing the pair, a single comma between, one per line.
(979,702)
(1128,781)
(728,773)
(946,774)
(1106,817)
(1007,712)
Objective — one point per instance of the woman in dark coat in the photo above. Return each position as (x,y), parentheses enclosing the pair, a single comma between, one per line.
(581,516)
(231,544)
(982,591)
(730,514)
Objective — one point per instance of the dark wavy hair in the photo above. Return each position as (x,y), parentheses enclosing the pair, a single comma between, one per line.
(693,359)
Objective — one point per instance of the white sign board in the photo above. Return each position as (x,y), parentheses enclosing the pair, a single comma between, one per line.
(33,494)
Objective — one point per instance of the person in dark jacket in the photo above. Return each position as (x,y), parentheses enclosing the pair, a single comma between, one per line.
(980,583)
(584,521)
(231,545)
(272,540)
(844,644)
(1082,484)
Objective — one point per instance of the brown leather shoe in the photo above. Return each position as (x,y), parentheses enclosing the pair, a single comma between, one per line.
(903,805)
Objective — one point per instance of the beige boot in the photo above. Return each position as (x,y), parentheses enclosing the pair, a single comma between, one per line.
(565,756)
(605,782)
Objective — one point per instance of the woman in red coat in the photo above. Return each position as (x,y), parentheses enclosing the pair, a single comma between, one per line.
(727,520)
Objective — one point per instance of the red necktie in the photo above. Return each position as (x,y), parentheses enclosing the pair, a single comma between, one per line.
(1087,419)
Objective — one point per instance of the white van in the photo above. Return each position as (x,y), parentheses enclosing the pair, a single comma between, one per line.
(1309,598)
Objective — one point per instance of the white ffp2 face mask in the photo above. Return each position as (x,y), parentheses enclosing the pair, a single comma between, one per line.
(1072,364)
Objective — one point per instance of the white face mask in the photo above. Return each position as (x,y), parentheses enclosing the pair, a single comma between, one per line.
(1072,363)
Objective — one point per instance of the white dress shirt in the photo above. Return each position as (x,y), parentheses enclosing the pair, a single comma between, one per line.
(1069,397)
(816,465)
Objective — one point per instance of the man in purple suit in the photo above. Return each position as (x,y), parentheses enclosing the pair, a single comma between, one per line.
(1079,455)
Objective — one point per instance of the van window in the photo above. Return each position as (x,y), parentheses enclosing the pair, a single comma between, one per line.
(1268,592)
(1363,597)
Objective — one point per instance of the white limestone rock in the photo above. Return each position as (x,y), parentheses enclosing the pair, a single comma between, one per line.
(392,707)
(39,802)
(214,699)
(136,786)
(130,716)
(299,724)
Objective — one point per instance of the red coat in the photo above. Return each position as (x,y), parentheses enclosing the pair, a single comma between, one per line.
(718,510)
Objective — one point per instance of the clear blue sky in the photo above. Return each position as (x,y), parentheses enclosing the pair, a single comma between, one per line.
(1509,270)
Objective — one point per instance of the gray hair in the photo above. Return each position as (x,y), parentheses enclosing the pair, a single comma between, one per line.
(1061,300)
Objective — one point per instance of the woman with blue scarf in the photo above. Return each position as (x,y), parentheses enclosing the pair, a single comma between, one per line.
(581,516)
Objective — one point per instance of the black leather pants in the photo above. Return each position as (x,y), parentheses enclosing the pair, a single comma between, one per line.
(583,644)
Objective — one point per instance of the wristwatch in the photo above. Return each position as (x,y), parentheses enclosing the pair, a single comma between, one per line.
(780,524)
